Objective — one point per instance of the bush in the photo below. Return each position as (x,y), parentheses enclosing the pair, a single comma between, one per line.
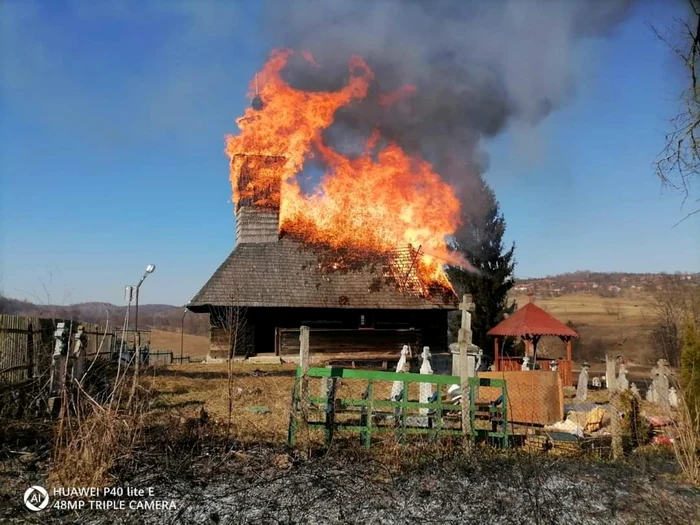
(690,369)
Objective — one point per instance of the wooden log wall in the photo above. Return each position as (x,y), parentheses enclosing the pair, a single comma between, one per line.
(349,341)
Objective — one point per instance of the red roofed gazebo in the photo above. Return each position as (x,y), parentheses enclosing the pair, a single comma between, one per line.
(530,323)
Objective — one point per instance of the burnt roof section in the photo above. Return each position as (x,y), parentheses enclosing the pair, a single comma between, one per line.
(289,273)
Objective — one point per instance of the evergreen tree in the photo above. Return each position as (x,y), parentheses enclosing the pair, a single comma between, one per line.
(480,241)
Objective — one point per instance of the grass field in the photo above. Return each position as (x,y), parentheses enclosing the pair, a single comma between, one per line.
(194,345)
(182,390)
(619,325)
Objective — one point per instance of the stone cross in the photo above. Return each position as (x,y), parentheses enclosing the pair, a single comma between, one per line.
(660,384)
(673,397)
(78,356)
(398,385)
(425,367)
(622,381)
(582,387)
(464,341)
(610,378)
(635,391)
(464,336)
(58,359)
(651,395)
(526,363)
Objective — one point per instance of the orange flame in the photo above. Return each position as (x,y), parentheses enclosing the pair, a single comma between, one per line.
(381,200)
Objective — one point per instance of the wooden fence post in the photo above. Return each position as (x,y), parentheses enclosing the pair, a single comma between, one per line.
(616,425)
(30,351)
(304,365)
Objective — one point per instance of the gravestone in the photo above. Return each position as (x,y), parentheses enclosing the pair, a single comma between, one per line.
(526,363)
(635,391)
(651,395)
(464,340)
(582,387)
(673,397)
(464,336)
(77,358)
(622,381)
(610,379)
(426,389)
(58,359)
(660,374)
(401,366)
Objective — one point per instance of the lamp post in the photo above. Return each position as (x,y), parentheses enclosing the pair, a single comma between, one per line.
(182,333)
(149,269)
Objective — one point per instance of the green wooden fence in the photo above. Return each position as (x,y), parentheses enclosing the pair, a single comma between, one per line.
(370,415)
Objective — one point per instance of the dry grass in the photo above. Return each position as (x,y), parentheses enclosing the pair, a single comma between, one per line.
(183,390)
(97,429)
(194,345)
(619,325)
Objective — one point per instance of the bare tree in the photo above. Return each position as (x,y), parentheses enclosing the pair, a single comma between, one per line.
(674,304)
(231,333)
(678,166)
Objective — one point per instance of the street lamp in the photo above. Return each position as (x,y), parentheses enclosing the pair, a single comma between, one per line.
(182,333)
(149,269)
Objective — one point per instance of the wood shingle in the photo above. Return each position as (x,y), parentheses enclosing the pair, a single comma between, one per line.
(289,273)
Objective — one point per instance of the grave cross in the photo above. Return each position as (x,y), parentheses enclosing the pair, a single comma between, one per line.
(467,307)
(464,341)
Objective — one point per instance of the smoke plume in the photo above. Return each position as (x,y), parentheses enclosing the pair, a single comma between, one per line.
(471,67)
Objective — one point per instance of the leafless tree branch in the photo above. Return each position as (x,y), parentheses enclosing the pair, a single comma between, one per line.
(678,165)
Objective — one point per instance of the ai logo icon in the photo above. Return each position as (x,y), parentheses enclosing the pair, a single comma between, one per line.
(36,498)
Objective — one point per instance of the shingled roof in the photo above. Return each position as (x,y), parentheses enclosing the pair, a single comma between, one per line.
(531,320)
(289,273)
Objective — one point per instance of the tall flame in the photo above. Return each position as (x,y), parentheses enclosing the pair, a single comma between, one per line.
(380,200)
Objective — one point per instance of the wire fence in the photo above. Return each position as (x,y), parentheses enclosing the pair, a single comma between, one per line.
(26,345)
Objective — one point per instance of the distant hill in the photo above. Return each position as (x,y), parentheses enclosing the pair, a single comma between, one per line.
(161,316)
(604,284)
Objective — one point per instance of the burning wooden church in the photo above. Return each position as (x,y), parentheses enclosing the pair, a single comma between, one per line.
(356,300)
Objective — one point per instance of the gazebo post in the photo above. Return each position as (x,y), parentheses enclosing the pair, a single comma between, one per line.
(568,349)
(535,340)
(495,354)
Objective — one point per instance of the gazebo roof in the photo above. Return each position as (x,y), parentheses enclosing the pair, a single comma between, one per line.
(531,320)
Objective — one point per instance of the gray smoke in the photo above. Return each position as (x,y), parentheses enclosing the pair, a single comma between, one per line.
(477,65)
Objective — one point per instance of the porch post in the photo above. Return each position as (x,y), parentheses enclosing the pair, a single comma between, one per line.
(495,354)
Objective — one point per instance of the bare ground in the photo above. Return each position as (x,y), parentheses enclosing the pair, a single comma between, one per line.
(348,485)
(260,480)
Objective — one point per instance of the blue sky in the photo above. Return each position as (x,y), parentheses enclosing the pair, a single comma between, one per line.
(112,126)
